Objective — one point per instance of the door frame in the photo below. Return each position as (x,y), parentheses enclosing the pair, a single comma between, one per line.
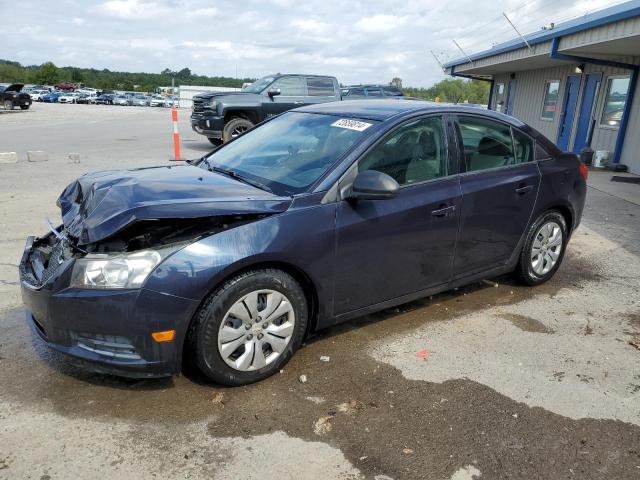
(568,111)
(587,120)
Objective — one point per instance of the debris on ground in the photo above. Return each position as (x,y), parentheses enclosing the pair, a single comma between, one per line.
(350,407)
(218,398)
(407,451)
(325,358)
(490,283)
(635,341)
(316,400)
(302,378)
(323,425)
(423,354)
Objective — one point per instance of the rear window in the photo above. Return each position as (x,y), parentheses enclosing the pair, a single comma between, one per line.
(320,87)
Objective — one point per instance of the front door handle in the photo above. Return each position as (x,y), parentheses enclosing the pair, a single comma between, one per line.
(443,212)
(522,189)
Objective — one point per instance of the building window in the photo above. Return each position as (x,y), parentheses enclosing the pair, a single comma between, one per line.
(550,101)
(500,97)
(614,101)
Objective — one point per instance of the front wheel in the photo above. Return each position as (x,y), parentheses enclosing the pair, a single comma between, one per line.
(543,249)
(249,328)
(235,127)
(8,105)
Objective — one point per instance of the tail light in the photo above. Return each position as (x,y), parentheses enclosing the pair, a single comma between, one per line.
(584,171)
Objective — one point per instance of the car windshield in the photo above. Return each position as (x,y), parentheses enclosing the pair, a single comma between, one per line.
(258,86)
(289,153)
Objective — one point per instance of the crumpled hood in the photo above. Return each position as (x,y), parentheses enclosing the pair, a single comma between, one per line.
(99,205)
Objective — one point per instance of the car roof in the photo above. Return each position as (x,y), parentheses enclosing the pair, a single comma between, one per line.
(382,109)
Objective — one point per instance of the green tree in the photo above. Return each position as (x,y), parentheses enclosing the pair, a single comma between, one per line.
(396,82)
(47,74)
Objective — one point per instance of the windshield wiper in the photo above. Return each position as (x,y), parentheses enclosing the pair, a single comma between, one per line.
(236,176)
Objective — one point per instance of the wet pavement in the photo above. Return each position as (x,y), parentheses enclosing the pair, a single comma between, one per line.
(492,380)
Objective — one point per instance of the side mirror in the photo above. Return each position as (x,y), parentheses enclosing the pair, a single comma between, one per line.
(273,93)
(373,185)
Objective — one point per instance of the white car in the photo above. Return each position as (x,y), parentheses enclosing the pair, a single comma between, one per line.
(70,97)
(157,101)
(36,94)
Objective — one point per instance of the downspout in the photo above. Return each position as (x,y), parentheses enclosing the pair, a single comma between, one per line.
(633,82)
(490,80)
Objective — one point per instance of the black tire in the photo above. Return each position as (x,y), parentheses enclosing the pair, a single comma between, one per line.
(215,141)
(24,107)
(202,337)
(235,127)
(524,271)
(8,105)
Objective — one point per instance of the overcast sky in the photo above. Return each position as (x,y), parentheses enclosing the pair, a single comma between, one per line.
(357,41)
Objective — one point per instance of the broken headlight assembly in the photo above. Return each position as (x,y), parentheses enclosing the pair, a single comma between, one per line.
(123,270)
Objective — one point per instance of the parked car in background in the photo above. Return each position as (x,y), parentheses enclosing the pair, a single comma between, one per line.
(370,92)
(172,101)
(11,96)
(105,99)
(316,216)
(68,97)
(106,92)
(157,101)
(86,98)
(121,100)
(222,116)
(51,97)
(36,95)
(139,101)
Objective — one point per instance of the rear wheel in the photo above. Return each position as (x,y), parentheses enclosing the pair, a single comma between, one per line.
(249,328)
(24,107)
(235,127)
(543,249)
(8,105)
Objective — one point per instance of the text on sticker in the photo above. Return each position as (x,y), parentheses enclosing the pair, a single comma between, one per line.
(351,124)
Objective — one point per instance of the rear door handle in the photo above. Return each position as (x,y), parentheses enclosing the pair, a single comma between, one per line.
(443,212)
(522,189)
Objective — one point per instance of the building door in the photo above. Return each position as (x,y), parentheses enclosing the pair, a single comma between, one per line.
(587,118)
(511,94)
(568,111)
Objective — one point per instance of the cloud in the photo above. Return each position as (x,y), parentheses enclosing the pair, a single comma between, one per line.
(366,42)
(380,23)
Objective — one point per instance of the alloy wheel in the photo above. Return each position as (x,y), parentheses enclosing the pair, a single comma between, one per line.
(256,330)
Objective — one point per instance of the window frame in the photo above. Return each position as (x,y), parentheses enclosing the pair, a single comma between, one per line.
(462,166)
(544,96)
(606,95)
(452,167)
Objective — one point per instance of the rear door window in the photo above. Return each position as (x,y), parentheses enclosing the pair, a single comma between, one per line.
(487,144)
(320,87)
(523,147)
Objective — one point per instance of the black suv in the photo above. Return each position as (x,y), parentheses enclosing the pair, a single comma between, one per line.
(12,97)
(221,116)
(369,92)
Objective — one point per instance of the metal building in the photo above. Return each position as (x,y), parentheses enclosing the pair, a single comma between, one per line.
(576,82)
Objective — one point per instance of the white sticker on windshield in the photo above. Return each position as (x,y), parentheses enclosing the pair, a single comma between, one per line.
(356,125)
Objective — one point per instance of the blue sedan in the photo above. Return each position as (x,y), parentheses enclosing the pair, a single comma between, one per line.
(317,216)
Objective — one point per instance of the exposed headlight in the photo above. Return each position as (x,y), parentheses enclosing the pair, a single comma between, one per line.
(127,270)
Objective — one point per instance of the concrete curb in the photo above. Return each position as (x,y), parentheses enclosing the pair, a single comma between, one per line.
(37,156)
(8,157)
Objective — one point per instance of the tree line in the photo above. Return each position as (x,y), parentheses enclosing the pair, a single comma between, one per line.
(49,74)
(448,90)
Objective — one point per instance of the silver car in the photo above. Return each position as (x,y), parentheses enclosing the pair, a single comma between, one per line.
(121,100)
